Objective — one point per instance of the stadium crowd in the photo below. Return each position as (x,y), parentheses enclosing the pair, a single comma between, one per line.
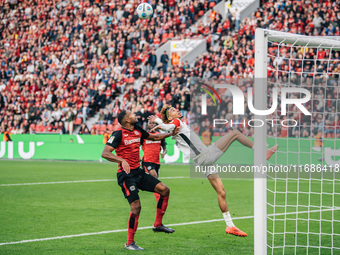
(78,55)
(62,62)
(233,61)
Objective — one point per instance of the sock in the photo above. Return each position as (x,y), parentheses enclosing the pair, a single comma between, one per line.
(161,208)
(228,219)
(157,196)
(133,224)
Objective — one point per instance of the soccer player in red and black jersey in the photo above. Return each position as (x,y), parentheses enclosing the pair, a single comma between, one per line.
(150,161)
(152,150)
(126,142)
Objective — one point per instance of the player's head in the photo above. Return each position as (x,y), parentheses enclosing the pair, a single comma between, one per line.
(127,117)
(150,126)
(169,113)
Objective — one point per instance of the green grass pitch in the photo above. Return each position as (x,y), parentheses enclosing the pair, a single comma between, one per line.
(53,210)
(31,212)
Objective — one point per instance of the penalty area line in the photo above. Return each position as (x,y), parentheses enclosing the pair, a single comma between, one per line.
(149,227)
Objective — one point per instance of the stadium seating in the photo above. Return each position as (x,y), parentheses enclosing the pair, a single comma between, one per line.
(70,68)
(78,121)
(110,127)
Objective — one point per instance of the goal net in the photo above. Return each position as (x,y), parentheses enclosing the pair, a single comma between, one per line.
(297,200)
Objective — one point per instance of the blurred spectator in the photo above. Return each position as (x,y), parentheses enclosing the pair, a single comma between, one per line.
(61,128)
(164,61)
(106,136)
(237,19)
(101,117)
(84,112)
(7,135)
(69,118)
(83,129)
(175,59)
(152,61)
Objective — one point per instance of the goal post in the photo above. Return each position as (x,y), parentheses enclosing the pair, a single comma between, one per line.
(260,142)
(297,212)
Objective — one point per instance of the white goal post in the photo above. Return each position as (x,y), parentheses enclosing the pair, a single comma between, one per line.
(297,45)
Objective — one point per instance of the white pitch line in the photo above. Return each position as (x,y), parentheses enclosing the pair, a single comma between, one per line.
(80,181)
(141,228)
(61,182)
(104,180)
(110,231)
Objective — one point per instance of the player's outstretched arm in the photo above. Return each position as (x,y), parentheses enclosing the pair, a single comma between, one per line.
(161,125)
(107,154)
(158,137)
(155,128)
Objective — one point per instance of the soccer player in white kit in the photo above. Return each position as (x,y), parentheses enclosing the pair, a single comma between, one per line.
(192,146)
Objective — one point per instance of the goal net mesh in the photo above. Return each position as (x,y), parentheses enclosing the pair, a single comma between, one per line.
(303,200)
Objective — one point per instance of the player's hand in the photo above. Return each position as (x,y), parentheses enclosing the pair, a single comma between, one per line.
(126,167)
(152,118)
(176,131)
(155,128)
(163,154)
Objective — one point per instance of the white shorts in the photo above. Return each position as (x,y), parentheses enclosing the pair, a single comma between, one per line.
(208,157)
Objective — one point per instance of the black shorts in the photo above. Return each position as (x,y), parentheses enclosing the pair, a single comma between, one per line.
(151,166)
(135,180)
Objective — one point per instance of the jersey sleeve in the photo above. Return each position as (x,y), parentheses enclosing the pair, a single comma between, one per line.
(115,139)
(143,132)
(166,127)
(158,121)
(176,122)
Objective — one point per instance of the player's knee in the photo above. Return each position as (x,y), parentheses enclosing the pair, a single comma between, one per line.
(235,132)
(165,192)
(222,193)
(136,208)
(162,190)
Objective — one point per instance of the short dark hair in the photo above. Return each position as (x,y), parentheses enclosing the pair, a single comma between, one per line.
(121,116)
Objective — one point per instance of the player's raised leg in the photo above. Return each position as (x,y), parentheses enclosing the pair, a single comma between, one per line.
(217,184)
(225,141)
(162,205)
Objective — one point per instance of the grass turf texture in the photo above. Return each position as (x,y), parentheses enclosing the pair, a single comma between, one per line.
(51,210)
